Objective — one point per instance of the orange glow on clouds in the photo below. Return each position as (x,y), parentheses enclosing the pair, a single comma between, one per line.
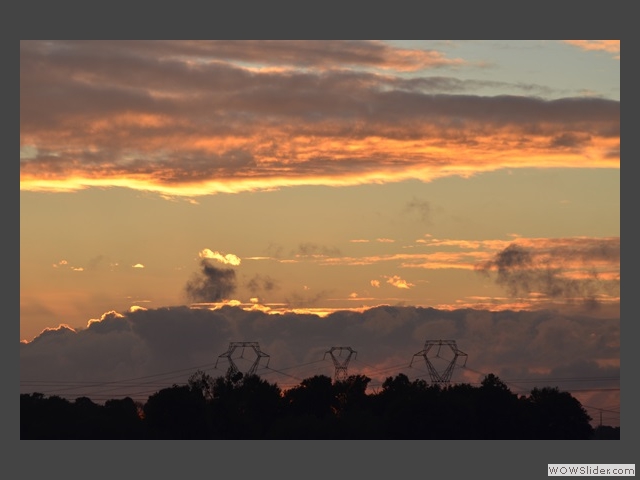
(398,282)
(62,326)
(105,316)
(376,168)
(229,258)
(216,125)
(611,46)
(492,304)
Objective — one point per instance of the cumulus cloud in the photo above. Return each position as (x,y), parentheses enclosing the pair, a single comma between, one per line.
(211,284)
(228,259)
(398,282)
(55,332)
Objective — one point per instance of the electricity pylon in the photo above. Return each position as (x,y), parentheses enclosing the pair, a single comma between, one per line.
(444,377)
(233,369)
(341,367)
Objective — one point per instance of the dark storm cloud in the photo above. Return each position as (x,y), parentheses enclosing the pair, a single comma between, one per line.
(587,250)
(211,284)
(523,270)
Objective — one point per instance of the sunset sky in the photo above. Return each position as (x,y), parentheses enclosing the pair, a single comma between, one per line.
(176,196)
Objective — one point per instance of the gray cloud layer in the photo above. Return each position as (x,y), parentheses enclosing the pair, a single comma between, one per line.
(167,344)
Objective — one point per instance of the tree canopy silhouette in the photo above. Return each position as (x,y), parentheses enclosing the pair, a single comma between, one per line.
(237,406)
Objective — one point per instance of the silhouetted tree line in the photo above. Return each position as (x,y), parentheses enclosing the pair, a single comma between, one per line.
(248,407)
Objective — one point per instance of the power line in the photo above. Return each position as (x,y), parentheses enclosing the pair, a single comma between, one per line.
(124,386)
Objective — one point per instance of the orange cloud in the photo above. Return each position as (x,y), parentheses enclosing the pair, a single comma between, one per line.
(573,257)
(611,46)
(189,127)
(398,282)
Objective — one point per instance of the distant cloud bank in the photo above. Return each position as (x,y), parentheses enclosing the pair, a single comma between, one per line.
(134,352)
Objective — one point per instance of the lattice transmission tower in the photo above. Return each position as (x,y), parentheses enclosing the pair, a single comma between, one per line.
(233,368)
(451,356)
(341,366)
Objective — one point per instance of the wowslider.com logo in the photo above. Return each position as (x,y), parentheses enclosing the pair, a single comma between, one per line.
(581,469)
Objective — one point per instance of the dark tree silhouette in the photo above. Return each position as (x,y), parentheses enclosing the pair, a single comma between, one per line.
(558,415)
(351,393)
(87,420)
(456,415)
(402,408)
(44,418)
(606,432)
(123,419)
(308,410)
(244,406)
(354,413)
(498,411)
(314,396)
(178,413)
(238,406)
(203,383)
